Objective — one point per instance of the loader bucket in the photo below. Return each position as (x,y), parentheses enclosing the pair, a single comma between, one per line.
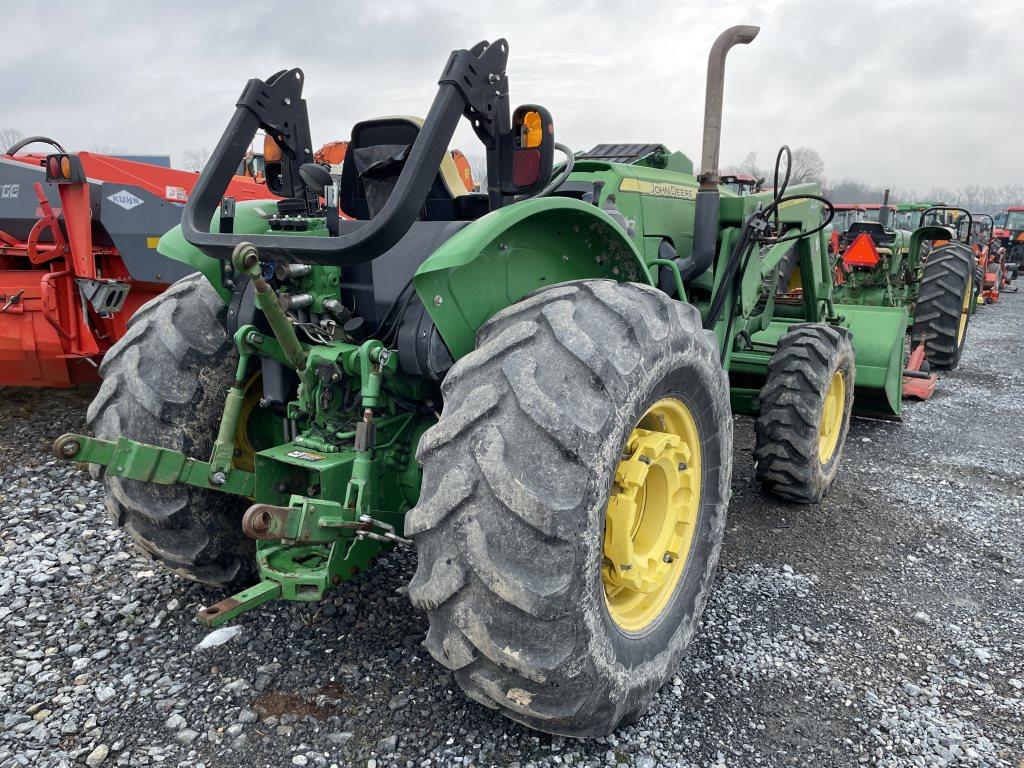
(878,338)
(879,334)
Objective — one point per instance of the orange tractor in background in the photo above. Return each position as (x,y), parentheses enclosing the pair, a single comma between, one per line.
(994,277)
(78,239)
(1009,232)
(332,155)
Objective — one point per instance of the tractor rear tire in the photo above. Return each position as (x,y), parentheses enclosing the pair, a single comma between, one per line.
(944,305)
(511,530)
(804,413)
(164,383)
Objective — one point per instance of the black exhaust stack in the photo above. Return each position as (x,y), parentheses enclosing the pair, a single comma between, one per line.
(705,222)
(883,212)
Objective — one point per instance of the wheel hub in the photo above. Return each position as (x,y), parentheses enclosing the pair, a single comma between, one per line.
(831,417)
(965,311)
(651,514)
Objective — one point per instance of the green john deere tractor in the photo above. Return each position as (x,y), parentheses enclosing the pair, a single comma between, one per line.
(929,271)
(907,216)
(534,385)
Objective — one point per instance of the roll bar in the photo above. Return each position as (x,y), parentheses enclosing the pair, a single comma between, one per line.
(970,218)
(991,219)
(473,84)
(991,226)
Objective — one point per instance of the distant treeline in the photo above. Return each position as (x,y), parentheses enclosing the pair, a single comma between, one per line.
(808,165)
(973,197)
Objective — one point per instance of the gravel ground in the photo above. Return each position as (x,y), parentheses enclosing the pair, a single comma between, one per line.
(883,627)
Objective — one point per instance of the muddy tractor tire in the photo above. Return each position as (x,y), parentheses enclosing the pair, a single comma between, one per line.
(583,456)
(804,414)
(164,384)
(944,305)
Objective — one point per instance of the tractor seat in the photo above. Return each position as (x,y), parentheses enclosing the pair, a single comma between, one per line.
(881,235)
(376,154)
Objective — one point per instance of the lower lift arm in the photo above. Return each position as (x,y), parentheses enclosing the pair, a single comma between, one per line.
(313,543)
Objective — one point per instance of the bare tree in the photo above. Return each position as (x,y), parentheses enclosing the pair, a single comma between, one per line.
(974,197)
(807,166)
(748,166)
(9,137)
(195,159)
(107,149)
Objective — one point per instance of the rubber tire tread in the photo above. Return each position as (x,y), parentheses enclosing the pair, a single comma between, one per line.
(164,383)
(947,274)
(516,476)
(791,403)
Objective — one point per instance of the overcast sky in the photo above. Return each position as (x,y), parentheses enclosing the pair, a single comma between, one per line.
(903,94)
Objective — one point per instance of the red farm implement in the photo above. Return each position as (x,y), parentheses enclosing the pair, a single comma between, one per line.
(993,271)
(78,239)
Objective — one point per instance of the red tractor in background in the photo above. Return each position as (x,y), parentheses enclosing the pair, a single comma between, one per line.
(1009,234)
(994,275)
(741,183)
(78,239)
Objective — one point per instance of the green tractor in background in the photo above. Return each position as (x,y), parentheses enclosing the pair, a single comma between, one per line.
(907,216)
(534,384)
(930,271)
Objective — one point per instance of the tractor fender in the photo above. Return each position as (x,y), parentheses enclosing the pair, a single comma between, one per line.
(251,218)
(928,232)
(501,257)
(174,246)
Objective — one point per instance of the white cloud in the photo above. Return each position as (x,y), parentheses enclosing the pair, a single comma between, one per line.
(913,94)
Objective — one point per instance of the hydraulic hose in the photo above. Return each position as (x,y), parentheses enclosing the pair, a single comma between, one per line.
(20,145)
(756,231)
(557,181)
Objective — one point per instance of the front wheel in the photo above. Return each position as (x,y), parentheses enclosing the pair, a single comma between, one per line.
(574,503)
(804,415)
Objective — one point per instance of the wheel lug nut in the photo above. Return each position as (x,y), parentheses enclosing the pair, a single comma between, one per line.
(667,558)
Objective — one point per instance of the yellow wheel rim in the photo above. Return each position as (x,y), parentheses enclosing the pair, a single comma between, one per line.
(965,312)
(831,418)
(244,450)
(651,515)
